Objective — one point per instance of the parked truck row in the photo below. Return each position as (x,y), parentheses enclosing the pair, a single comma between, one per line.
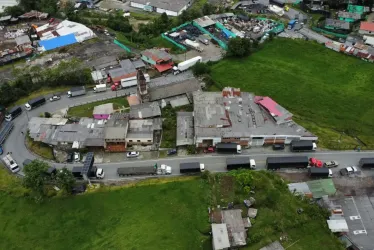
(145,170)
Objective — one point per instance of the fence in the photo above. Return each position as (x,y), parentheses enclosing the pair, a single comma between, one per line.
(100,100)
(329,32)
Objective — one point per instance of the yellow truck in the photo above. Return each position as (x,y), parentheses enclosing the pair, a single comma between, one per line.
(286,8)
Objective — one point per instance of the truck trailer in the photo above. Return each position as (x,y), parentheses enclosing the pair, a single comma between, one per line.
(240,162)
(100,88)
(95,172)
(5,130)
(273,163)
(13,113)
(229,148)
(77,91)
(11,164)
(36,102)
(191,167)
(319,172)
(367,163)
(183,66)
(193,45)
(297,146)
(146,170)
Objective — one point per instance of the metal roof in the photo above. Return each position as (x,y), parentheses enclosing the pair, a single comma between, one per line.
(174,89)
(174,5)
(22,40)
(88,163)
(220,236)
(103,109)
(145,110)
(185,128)
(321,187)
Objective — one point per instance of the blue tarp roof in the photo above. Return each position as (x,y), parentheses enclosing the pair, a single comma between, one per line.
(58,42)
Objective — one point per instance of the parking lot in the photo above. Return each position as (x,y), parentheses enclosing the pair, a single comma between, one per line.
(359,214)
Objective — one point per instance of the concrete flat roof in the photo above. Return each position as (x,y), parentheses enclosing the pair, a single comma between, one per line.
(145,110)
(204,21)
(174,89)
(185,128)
(236,117)
(103,109)
(170,79)
(173,5)
(220,236)
(235,227)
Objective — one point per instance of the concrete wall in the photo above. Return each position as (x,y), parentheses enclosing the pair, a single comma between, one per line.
(168,12)
(138,141)
(137,5)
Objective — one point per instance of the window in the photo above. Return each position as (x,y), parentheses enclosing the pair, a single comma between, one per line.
(138,140)
(130,140)
(149,141)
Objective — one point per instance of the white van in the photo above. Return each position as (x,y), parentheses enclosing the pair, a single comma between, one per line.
(252,163)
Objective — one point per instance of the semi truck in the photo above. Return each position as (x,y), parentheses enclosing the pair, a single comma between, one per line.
(314,162)
(230,148)
(100,88)
(240,162)
(274,163)
(146,170)
(320,172)
(77,91)
(298,146)
(36,102)
(191,167)
(13,113)
(186,64)
(95,172)
(366,163)
(291,24)
(5,130)
(11,164)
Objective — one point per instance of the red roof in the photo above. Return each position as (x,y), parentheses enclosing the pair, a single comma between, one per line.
(163,67)
(367,26)
(269,104)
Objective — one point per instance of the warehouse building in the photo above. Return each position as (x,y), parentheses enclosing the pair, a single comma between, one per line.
(235,116)
(170,7)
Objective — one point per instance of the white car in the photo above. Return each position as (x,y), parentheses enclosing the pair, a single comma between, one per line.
(132,154)
(331,164)
(348,170)
(54,98)
(77,156)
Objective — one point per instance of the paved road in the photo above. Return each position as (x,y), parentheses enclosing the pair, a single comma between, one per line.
(15,142)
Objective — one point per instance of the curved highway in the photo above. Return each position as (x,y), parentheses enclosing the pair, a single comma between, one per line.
(15,143)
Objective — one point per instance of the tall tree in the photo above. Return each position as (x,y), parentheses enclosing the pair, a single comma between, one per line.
(239,47)
(35,178)
(65,180)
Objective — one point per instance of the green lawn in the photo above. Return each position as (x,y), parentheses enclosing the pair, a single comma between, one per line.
(328,92)
(87,109)
(145,216)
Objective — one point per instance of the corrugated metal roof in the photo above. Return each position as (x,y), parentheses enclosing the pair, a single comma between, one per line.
(320,188)
(367,26)
(58,42)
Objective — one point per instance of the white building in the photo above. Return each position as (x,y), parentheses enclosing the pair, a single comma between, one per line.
(170,7)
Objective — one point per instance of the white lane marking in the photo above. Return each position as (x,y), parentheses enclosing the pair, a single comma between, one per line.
(359,231)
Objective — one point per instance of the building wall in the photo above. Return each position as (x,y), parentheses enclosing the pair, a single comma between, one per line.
(184,8)
(148,60)
(137,5)
(199,141)
(365,32)
(168,12)
(138,141)
(101,116)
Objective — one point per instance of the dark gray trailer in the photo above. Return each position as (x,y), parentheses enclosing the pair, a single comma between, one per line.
(13,113)
(5,131)
(319,172)
(191,167)
(77,91)
(367,163)
(298,146)
(240,162)
(229,148)
(36,102)
(128,171)
(94,172)
(273,163)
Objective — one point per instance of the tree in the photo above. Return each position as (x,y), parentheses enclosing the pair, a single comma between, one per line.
(200,69)
(36,178)
(65,180)
(239,47)
(208,9)
(14,11)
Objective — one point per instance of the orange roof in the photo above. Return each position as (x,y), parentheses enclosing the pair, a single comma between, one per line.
(367,26)
(133,100)
(119,78)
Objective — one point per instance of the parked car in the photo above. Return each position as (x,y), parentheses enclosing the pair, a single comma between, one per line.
(132,154)
(278,146)
(55,98)
(209,150)
(1,150)
(331,164)
(348,170)
(77,156)
(70,157)
(172,151)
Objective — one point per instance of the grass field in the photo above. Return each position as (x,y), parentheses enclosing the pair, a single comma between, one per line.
(87,109)
(328,92)
(169,213)
(168,216)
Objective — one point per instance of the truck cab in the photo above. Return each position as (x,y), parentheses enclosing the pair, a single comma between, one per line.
(239,149)
(164,169)
(202,167)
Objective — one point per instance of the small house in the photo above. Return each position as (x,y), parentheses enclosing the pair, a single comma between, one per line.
(366,28)
(103,111)
(159,59)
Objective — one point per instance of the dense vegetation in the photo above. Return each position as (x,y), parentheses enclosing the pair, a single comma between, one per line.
(34,78)
(328,93)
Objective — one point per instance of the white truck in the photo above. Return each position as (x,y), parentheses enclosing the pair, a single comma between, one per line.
(193,45)
(182,66)
(100,88)
(10,163)
(77,91)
